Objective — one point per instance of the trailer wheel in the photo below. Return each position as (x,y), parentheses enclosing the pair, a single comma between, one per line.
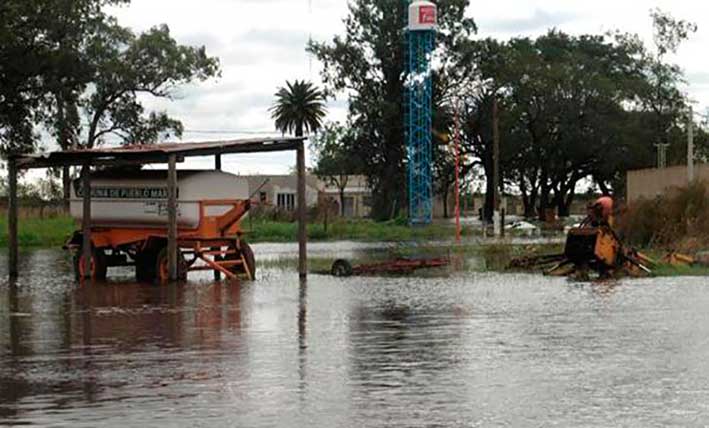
(162,274)
(250,260)
(145,263)
(248,256)
(341,267)
(98,265)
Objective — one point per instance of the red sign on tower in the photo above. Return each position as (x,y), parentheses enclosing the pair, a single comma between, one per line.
(427,15)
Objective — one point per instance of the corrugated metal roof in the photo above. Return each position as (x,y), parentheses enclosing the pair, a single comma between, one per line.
(156,153)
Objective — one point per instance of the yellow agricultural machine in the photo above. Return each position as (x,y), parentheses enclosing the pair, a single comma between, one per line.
(590,249)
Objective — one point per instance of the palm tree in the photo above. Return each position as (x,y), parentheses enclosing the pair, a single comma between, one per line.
(299,107)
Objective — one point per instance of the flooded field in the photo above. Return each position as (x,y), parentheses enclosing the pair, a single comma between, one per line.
(448,348)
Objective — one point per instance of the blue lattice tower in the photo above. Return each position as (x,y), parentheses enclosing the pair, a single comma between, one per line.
(420,42)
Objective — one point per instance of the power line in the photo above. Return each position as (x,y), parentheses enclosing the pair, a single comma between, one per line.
(230,131)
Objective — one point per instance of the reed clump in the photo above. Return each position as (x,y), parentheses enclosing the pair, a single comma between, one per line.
(677,220)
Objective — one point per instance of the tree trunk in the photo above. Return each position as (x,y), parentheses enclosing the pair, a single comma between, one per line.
(604,187)
(388,194)
(489,200)
(531,210)
(544,201)
(342,201)
(565,206)
(444,194)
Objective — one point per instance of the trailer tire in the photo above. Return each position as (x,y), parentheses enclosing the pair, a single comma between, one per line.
(249,257)
(145,263)
(99,265)
(341,267)
(162,275)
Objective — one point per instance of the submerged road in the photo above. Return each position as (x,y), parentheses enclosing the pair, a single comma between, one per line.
(453,349)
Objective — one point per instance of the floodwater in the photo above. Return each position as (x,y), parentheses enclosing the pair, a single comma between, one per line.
(452,349)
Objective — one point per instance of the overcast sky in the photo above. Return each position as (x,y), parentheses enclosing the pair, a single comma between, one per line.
(261,45)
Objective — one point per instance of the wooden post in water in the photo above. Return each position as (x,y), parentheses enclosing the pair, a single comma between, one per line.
(12,218)
(218,167)
(86,220)
(172,217)
(302,213)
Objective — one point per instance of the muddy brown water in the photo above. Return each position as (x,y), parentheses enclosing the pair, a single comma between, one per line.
(454,349)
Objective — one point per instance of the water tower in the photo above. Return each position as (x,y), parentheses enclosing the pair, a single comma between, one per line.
(420,42)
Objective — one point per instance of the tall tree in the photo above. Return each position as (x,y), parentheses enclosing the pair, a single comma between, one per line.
(562,99)
(299,107)
(367,64)
(664,98)
(125,66)
(61,61)
(40,43)
(334,163)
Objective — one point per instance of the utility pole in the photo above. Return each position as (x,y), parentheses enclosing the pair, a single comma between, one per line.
(690,146)
(457,176)
(496,169)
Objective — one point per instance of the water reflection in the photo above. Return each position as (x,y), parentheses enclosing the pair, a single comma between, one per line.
(456,349)
(302,334)
(77,344)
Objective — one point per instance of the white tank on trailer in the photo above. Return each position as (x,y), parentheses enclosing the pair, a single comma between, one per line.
(122,198)
(423,16)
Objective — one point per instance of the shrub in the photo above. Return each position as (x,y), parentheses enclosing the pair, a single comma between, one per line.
(678,220)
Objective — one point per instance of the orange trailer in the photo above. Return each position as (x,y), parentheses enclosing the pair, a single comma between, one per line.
(129,228)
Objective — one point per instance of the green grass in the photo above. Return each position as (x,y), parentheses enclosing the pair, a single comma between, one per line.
(35,232)
(52,232)
(665,270)
(259,230)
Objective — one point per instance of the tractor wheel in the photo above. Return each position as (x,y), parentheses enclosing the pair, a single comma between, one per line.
(341,267)
(162,273)
(98,265)
(248,254)
(145,263)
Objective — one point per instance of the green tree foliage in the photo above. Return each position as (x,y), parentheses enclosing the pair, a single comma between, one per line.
(124,66)
(334,161)
(664,98)
(299,107)
(571,108)
(40,43)
(69,67)
(367,64)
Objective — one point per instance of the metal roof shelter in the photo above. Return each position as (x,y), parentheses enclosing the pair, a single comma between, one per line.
(170,153)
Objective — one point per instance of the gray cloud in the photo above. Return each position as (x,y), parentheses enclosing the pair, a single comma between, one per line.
(264,46)
(273,37)
(209,40)
(539,20)
(700,78)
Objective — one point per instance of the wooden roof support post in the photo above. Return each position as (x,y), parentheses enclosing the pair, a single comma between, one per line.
(302,213)
(86,220)
(218,162)
(12,218)
(172,217)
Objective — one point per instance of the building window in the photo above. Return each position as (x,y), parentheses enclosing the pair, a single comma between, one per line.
(262,197)
(286,201)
